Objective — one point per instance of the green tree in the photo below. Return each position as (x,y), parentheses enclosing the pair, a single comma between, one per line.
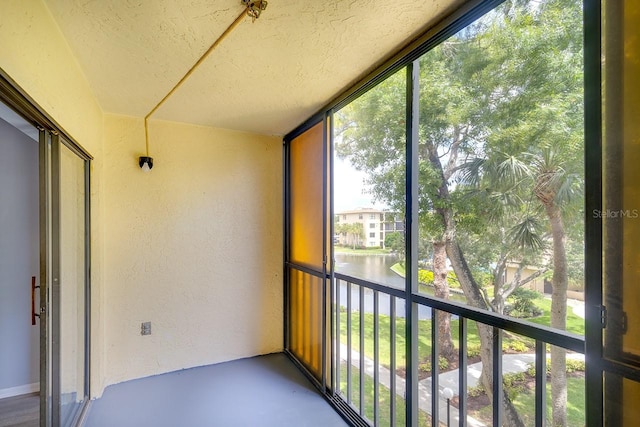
(352,232)
(394,241)
(504,92)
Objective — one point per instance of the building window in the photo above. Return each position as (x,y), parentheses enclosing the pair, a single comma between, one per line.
(372,225)
(344,217)
(372,216)
(373,235)
(360,216)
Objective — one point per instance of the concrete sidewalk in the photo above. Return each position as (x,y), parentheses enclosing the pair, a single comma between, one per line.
(511,363)
(424,390)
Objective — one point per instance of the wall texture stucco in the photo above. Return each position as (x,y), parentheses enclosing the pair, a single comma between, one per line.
(34,53)
(193,246)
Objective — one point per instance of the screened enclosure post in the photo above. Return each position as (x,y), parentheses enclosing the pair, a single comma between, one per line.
(392,339)
(435,370)
(462,371)
(285,247)
(541,383)
(325,227)
(349,342)
(334,366)
(305,319)
(336,338)
(411,241)
(497,377)
(323,329)
(361,348)
(376,360)
(593,201)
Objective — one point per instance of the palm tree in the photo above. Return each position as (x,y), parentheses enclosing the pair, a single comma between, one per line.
(550,176)
(556,188)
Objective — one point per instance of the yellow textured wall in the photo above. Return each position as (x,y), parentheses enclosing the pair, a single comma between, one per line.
(36,56)
(194,246)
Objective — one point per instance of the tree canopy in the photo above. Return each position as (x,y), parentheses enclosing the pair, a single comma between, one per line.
(500,146)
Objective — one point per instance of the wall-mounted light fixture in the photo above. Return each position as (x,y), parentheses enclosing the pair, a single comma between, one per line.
(146,163)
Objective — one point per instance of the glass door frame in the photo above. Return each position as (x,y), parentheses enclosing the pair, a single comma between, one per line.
(56,272)
(50,132)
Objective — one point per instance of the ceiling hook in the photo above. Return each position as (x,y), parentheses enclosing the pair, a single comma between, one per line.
(255,7)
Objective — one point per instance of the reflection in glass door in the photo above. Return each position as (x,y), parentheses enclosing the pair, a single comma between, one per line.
(69,283)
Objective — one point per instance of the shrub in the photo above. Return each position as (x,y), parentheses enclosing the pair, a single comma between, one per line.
(425,276)
(475,391)
(522,303)
(574,365)
(515,345)
(473,351)
(531,369)
(514,384)
(443,364)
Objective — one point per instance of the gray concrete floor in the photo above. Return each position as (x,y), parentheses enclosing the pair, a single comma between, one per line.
(260,391)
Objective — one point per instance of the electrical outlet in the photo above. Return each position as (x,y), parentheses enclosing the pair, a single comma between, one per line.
(145,328)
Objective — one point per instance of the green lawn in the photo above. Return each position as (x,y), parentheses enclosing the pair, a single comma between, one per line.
(575,323)
(524,401)
(513,342)
(525,404)
(384,399)
(364,251)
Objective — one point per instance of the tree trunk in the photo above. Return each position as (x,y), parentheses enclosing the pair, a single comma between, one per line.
(474,297)
(558,316)
(471,291)
(445,342)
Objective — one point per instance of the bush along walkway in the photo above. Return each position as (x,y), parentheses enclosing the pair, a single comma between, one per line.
(511,363)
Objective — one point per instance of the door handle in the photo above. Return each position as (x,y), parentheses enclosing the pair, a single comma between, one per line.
(33,300)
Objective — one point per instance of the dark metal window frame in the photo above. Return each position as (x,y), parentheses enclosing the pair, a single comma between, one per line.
(591,343)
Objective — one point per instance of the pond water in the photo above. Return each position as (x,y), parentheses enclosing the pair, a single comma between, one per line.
(374,268)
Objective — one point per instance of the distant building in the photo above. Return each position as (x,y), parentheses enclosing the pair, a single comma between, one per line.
(536,284)
(375,222)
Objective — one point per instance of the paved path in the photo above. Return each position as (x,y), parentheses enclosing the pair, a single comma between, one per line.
(424,391)
(511,363)
(577,307)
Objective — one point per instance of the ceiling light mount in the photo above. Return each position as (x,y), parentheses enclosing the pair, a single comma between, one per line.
(145,163)
(255,7)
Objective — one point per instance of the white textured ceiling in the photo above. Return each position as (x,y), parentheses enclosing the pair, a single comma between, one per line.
(266,77)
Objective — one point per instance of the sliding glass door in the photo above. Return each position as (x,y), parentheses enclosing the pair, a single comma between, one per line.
(71,290)
(64,261)
(64,216)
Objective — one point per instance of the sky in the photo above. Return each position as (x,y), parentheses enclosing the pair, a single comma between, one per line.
(349,189)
